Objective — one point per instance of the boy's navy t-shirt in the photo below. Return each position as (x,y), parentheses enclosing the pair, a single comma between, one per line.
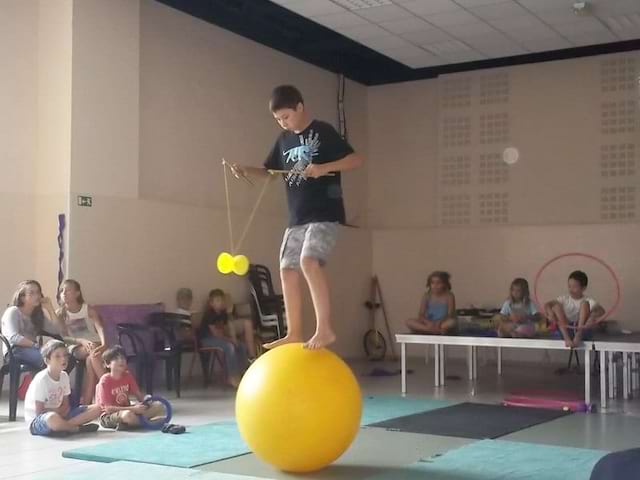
(310,199)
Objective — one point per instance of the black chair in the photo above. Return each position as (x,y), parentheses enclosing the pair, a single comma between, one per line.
(14,368)
(131,341)
(162,346)
(267,307)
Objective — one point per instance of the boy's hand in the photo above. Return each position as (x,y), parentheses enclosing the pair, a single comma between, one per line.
(110,409)
(238,171)
(139,409)
(314,170)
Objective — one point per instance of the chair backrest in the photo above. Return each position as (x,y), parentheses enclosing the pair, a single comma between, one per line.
(260,279)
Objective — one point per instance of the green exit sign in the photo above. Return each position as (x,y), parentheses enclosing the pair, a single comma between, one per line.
(85,201)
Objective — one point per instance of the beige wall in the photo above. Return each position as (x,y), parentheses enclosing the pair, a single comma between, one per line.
(34,138)
(555,113)
(142,241)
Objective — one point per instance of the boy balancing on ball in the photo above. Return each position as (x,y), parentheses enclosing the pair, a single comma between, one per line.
(313,154)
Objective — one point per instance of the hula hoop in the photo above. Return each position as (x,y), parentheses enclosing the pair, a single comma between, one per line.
(585,255)
(149,425)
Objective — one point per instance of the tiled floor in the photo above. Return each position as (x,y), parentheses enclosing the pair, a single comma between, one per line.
(22,455)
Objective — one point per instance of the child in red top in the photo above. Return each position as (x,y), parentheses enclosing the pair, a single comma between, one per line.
(113,392)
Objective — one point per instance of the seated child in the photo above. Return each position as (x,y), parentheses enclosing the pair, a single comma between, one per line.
(113,391)
(574,311)
(518,314)
(438,307)
(214,332)
(46,406)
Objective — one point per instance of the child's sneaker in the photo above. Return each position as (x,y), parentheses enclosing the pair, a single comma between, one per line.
(109,420)
(88,428)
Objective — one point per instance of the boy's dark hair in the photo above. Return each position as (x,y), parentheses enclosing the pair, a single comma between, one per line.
(285,96)
(50,347)
(443,276)
(580,277)
(112,353)
(216,293)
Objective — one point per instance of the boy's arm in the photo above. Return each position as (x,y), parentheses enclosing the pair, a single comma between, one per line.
(350,162)
(63,409)
(40,408)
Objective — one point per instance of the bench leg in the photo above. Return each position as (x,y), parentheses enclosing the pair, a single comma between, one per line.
(470,361)
(442,360)
(587,376)
(625,375)
(403,367)
(499,360)
(603,380)
(475,362)
(436,358)
(612,375)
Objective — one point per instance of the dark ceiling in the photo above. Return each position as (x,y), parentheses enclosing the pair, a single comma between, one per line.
(281,29)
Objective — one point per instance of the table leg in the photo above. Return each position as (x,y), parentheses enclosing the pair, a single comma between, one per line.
(403,366)
(499,360)
(634,371)
(470,361)
(603,380)
(587,376)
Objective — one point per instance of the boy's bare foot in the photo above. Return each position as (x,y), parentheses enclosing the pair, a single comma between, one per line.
(282,341)
(321,340)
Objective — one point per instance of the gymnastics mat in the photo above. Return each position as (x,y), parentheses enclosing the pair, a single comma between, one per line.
(199,445)
(472,420)
(385,407)
(501,460)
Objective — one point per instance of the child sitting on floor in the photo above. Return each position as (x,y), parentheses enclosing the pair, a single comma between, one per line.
(518,314)
(113,391)
(437,313)
(573,313)
(46,406)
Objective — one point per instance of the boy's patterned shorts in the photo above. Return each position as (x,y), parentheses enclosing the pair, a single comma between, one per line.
(315,240)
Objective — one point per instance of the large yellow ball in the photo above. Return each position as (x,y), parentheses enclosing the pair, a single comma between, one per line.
(298,409)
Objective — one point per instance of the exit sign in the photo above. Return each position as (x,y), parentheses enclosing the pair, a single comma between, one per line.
(85,201)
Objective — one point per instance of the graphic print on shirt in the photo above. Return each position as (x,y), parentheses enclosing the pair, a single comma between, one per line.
(301,156)
(121,395)
(54,396)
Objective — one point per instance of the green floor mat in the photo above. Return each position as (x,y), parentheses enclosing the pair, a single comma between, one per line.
(380,408)
(125,470)
(500,460)
(199,445)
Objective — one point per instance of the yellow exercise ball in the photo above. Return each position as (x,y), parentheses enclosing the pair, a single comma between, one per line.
(225,263)
(240,265)
(298,409)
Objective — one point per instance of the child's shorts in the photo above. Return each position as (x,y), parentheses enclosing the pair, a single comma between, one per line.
(39,424)
(315,240)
